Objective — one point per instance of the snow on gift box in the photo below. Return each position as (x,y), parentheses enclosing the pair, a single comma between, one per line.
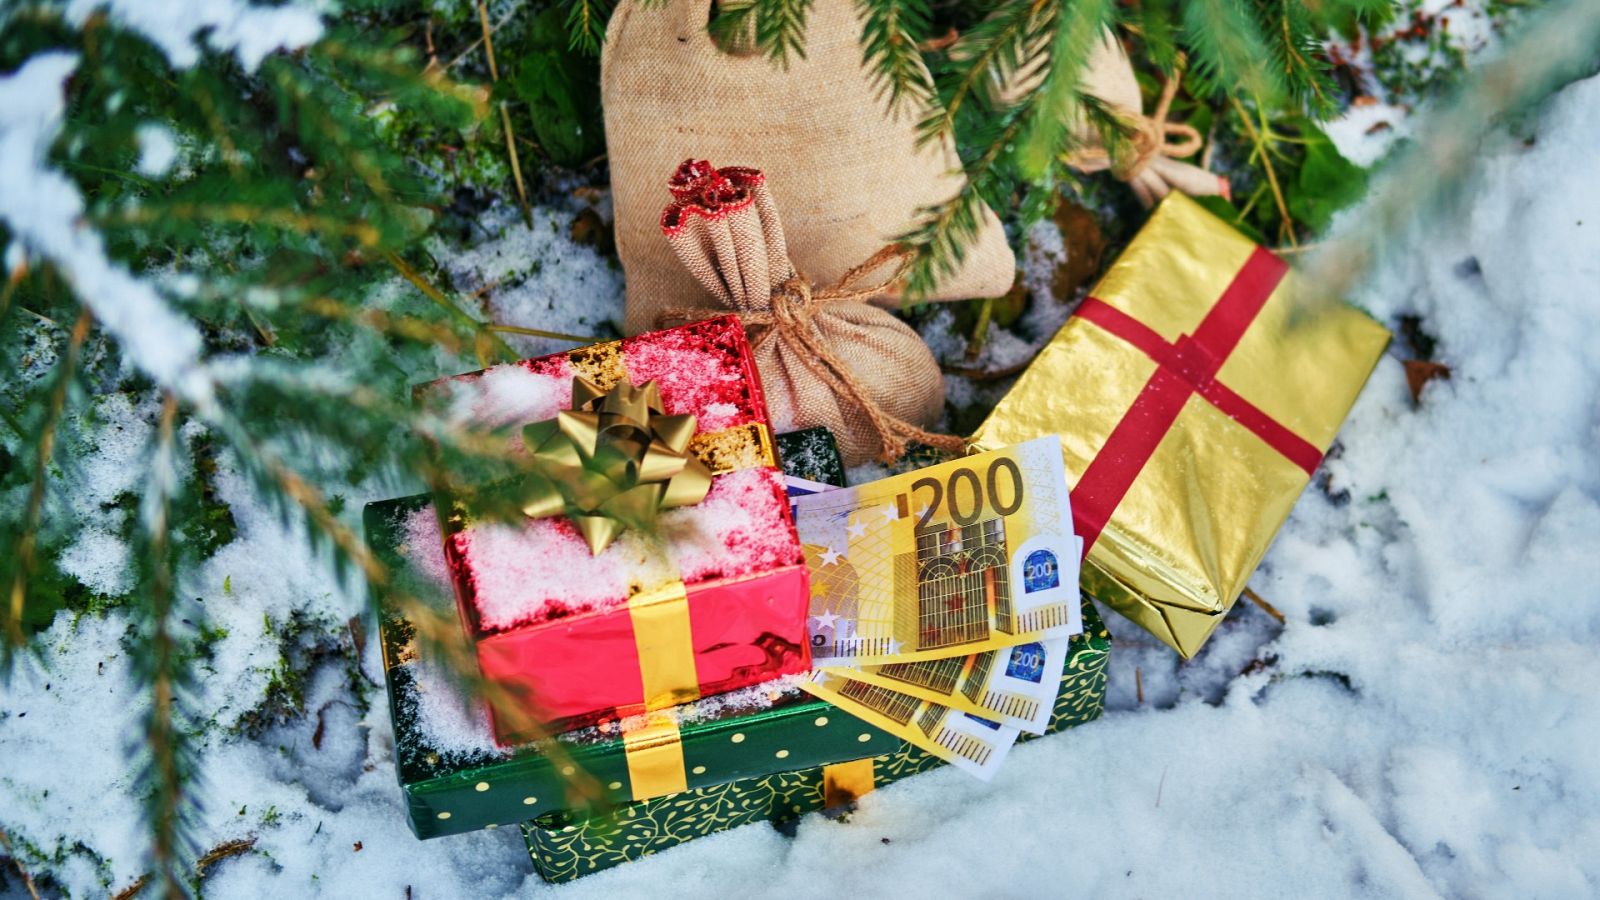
(581,627)
(1202,398)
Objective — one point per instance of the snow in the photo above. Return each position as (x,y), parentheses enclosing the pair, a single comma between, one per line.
(158,149)
(538,277)
(183,28)
(1422,724)
(1366,132)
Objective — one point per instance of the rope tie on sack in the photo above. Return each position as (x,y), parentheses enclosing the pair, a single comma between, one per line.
(793,306)
(1153,136)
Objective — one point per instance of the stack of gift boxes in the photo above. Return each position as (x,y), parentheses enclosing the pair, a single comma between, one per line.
(648,694)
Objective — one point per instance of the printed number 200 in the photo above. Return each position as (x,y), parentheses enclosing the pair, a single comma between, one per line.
(988,488)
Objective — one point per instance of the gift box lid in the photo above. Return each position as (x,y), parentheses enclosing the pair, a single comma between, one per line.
(456,779)
(740,528)
(1195,392)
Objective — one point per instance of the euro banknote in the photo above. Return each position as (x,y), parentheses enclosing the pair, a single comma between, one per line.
(1015,686)
(965,741)
(971,555)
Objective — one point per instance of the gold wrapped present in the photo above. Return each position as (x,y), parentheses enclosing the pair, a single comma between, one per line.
(1194,399)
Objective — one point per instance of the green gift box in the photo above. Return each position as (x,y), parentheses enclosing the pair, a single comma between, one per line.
(570,844)
(455,779)
(812,454)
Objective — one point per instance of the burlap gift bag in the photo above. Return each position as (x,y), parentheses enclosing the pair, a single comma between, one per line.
(826,357)
(848,175)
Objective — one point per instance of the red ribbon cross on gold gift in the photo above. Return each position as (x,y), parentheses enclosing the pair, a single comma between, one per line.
(1184,367)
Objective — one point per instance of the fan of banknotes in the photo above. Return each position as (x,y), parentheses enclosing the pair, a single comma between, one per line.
(942,599)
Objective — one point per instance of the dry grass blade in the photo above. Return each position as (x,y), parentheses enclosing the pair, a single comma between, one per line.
(1266,607)
(27,880)
(132,890)
(224,850)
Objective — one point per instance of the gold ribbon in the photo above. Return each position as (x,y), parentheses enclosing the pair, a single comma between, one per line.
(665,647)
(845,782)
(613,461)
(654,753)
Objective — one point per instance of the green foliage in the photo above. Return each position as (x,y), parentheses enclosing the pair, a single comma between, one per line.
(559,88)
(1266,54)
(776,27)
(1230,49)
(1325,183)
(891,31)
(586,23)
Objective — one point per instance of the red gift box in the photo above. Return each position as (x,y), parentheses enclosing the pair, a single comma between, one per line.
(715,599)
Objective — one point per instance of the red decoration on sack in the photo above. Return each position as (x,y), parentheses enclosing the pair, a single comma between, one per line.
(700,190)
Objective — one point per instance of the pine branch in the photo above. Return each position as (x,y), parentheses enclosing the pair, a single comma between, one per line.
(1159,28)
(775,27)
(1297,49)
(1230,51)
(586,24)
(23,560)
(939,241)
(891,32)
(1059,104)
(489,345)
(993,49)
(440,633)
(168,769)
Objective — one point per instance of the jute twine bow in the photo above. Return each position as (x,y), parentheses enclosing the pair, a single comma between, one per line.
(1152,137)
(791,319)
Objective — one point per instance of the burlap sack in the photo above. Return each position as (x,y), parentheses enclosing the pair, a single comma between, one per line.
(825,356)
(1152,168)
(848,176)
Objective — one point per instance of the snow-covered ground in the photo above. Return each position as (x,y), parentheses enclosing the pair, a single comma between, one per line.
(1425,722)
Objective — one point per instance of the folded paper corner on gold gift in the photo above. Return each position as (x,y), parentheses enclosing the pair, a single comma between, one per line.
(1182,544)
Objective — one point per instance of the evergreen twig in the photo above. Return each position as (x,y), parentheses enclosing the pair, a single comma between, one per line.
(166,772)
(24,559)
(891,32)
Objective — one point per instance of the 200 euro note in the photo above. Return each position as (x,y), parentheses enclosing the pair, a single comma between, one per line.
(965,741)
(1015,686)
(970,555)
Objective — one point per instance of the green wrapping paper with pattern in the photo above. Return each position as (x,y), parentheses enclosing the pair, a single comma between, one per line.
(568,845)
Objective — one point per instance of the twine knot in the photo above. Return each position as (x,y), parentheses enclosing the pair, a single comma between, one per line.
(790,317)
(1152,137)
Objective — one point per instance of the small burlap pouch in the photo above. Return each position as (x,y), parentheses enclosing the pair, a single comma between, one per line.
(848,174)
(1151,163)
(825,355)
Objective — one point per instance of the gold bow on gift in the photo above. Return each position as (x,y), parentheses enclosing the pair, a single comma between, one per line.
(613,461)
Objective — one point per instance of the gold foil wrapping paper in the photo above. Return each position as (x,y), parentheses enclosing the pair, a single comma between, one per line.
(1198,515)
